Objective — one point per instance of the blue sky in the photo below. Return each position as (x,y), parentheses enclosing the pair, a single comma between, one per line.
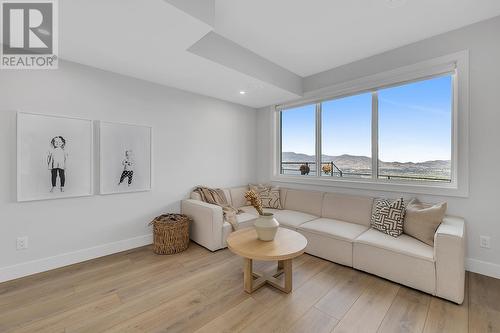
(414,124)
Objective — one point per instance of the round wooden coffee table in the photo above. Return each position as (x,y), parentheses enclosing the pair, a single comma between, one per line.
(287,245)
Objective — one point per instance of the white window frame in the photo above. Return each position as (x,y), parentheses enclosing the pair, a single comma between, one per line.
(458,63)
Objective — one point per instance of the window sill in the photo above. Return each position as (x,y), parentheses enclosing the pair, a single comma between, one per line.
(438,189)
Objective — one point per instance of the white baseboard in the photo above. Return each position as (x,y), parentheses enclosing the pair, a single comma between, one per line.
(41,265)
(46,264)
(482,267)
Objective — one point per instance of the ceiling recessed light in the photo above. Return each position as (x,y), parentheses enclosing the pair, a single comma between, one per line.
(242,92)
(395,3)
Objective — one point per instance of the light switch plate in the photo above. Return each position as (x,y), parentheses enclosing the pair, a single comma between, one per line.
(485,242)
(22,243)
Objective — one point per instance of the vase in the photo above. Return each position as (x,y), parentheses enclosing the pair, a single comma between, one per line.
(266,226)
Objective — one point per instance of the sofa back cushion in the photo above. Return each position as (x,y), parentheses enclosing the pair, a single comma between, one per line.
(304,201)
(348,208)
(238,196)
(283,192)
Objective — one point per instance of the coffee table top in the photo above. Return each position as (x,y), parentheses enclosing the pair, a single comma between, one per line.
(287,244)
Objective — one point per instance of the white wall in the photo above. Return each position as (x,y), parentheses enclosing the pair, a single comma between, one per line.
(196,140)
(481,208)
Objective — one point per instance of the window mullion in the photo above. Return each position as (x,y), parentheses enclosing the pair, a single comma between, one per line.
(374,135)
(454,128)
(318,139)
(280,143)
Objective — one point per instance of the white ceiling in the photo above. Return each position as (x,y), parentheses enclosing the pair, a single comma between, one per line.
(307,37)
(150,39)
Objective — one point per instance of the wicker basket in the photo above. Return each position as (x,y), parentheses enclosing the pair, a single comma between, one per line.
(171,233)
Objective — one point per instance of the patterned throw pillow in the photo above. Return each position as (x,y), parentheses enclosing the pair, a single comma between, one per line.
(268,195)
(388,216)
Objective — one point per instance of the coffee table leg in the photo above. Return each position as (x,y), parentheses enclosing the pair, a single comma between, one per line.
(286,285)
(247,275)
(287,268)
(250,285)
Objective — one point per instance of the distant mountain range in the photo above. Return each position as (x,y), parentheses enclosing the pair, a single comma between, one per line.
(351,163)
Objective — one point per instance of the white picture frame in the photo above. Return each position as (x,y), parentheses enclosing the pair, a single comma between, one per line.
(125,152)
(40,164)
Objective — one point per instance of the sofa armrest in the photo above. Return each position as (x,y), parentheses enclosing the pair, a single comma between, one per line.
(449,254)
(208,219)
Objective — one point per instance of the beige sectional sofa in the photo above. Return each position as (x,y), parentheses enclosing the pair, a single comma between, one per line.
(337,227)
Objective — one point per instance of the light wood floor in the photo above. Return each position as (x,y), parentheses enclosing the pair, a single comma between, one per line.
(137,291)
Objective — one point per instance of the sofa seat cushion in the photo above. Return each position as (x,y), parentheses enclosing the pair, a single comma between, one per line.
(403,260)
(334,228)
(288,218)
(292,218)
(243,217)
(403,244)
(331,239)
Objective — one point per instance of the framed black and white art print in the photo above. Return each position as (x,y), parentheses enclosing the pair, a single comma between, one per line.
(125,158)
(54,157)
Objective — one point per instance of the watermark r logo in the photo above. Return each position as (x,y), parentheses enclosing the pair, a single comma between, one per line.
(29,34)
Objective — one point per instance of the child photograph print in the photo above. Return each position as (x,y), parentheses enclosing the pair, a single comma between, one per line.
(54,157)
(125,162)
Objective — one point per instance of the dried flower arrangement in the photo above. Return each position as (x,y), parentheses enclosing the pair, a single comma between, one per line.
(254,201)
(327,168)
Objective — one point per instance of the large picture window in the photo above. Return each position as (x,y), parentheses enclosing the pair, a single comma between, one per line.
(346,137)
(414,123)
(298,141)
(400,133)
